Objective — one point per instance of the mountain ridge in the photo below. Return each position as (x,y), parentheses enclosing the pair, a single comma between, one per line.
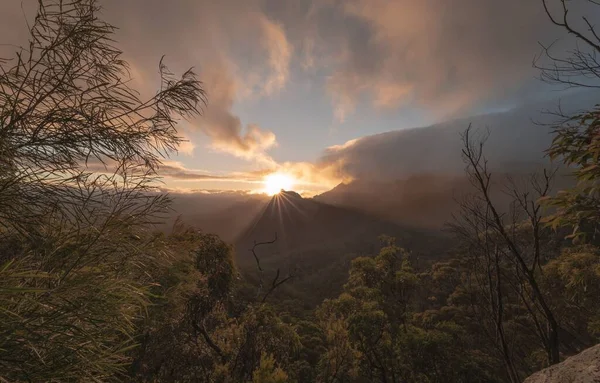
(315,242)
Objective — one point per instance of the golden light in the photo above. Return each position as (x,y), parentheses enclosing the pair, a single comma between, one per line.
(275,182)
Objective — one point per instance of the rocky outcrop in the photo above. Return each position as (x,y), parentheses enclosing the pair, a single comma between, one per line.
(581,368)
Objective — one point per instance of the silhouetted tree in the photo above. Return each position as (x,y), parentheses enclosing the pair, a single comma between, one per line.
(503,234)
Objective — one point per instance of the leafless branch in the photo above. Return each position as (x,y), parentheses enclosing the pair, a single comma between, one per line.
(505,233)
(275,284)
(258,244)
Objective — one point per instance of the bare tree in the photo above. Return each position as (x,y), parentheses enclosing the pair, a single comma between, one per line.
(472,227)
(580,67)
(498,236)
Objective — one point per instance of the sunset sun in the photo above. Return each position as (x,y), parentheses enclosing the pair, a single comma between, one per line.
(275,182)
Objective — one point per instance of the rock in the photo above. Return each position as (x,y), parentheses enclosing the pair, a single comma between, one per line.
(581,368)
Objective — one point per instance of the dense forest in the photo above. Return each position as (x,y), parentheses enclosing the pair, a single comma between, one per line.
(91,290)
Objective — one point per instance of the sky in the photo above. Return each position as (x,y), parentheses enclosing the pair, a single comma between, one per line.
(293,85)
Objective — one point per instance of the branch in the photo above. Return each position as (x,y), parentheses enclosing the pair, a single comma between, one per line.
(257,244)
(200,328)
(275,284)
(565,24)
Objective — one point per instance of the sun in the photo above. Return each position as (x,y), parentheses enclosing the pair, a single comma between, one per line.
(275,182)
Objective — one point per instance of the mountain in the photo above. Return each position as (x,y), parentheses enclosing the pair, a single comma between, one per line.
(413,177)
(315,241)
(422,200)
(428,201)
(226,214)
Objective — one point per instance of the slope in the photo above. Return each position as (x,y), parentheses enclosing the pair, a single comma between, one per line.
(315,241)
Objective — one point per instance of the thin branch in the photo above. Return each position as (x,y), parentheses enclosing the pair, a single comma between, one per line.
(256,245)
(275,284)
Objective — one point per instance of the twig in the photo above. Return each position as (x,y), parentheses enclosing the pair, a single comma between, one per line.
(275,284)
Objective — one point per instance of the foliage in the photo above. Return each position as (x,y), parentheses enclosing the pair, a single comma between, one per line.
(573,279)
(78,157)
(200,331)
(576,143)
(371,335)
(267,372)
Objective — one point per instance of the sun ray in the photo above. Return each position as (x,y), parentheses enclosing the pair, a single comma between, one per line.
(293,204)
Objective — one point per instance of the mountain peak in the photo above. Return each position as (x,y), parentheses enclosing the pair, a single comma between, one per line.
(288,193)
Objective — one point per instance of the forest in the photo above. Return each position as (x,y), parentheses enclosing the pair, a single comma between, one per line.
(92,291)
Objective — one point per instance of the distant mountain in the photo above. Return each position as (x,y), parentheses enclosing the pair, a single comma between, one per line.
(226,214)
(413,177)
(315,242)
(427,201)
(422,201)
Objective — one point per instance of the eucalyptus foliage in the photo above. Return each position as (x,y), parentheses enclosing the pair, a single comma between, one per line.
(79,151)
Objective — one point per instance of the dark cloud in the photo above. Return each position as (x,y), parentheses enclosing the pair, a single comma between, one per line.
(444,55)
(449,57)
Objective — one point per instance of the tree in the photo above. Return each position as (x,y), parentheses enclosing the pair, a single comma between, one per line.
(79,154)
(371,335)
(268,373)
(576,141)
(486,278)
(576,144)
(574,279)
(503,237)
(200,330)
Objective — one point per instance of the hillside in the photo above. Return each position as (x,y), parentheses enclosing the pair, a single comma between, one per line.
(426,201)
(315,242)
(226,214)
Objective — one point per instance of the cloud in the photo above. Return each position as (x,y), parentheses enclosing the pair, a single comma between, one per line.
(237,50)
(186,146)
(517,140)
(225,128)
(176,170)
(447,57)
(308,177)
(279,53)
